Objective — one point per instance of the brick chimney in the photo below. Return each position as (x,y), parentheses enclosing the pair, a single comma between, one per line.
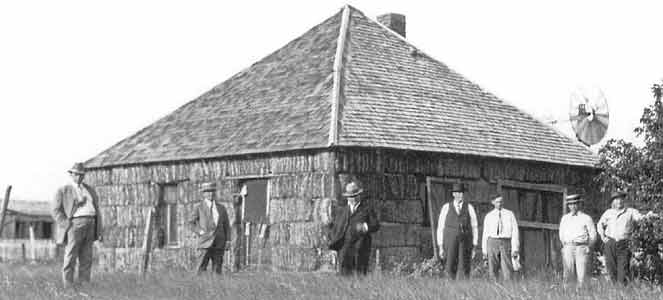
(395,22)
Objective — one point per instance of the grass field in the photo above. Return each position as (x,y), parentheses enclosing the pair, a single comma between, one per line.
(43,282)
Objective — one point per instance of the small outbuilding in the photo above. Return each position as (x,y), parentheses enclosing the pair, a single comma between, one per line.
(349,98)
(23,216)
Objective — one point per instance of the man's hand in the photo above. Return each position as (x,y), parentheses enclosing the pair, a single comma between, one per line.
(441,252)
(474,251)
(515,254)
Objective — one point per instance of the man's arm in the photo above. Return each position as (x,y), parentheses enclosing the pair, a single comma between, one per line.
(591,230)
(562,229)
(515,235)
(484,235)
(57,209)
(373,223)
(194,222)
(475,225)
(600,226)
(440,224)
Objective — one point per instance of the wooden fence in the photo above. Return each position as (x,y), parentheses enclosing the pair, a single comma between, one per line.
(25,250)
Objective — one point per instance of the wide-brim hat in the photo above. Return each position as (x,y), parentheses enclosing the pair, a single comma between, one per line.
(575,198)
(208,187)
(77,168)
(618,194)
(458,187)
(352,189)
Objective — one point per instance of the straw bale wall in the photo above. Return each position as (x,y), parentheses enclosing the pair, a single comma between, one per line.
(394,184)
(300,196)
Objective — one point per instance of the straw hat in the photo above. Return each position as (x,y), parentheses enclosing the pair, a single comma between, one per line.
(575,198)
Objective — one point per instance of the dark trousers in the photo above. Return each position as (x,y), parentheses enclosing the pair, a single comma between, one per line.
(499,257)
(354,255)
(458,252)
(617,260)
(211,254)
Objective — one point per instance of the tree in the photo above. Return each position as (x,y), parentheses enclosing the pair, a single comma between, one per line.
(639,170)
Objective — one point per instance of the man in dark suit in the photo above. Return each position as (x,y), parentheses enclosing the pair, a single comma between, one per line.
(210,223)
(351,232)
(78,220)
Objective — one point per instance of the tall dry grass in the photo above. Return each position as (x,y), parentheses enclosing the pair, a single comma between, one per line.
(43,282)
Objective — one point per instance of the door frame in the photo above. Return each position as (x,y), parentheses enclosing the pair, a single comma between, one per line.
(429,181)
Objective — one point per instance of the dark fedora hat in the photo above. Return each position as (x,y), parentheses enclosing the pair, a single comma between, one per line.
(208,187)
(575,198)
(352,189)
(77,168)
(618,194)
(458,187)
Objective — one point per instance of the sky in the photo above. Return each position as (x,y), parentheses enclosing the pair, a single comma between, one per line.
(76,77)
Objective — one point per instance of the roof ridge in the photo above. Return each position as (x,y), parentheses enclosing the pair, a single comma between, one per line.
(483,89)
(337,72)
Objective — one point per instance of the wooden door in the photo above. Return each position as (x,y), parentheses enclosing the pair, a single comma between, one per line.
(538,209)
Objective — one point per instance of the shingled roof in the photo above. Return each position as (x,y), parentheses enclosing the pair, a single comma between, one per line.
(348,81)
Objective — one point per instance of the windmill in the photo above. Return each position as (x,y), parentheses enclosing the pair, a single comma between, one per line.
(589,115)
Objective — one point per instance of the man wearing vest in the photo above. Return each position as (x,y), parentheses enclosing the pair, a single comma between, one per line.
(351,232)
(210,223)
(457,233)
(500,240)
(76,213)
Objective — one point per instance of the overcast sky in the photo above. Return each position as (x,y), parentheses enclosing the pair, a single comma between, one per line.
(76,77)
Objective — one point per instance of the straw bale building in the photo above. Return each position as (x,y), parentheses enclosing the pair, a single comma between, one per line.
(350,98)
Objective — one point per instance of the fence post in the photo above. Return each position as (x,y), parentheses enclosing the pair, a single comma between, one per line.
(31,230)
(3,208)
(147,242)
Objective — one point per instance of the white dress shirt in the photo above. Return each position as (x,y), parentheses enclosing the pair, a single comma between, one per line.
(578,228)
(211,205)
(618,223)
(500,224)
(443,218)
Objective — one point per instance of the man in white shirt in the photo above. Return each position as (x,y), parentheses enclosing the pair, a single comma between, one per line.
(615,228)
(577,234)
(500,240)
(457,233)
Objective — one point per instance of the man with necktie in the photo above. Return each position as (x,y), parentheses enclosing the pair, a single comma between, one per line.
(210,223)
(577,234)
(500,240)
(457,233)
(351,232)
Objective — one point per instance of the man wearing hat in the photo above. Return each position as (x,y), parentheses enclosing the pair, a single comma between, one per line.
(76,213)
(211,224)
(615,227)
(351,232)
(577,234)
(457,233)
(500,240)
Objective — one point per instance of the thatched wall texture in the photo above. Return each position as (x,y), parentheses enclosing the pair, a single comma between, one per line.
(299,198)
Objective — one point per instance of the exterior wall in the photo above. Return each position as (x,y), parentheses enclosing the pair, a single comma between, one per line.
(394,182)
(301,189)
(294,240)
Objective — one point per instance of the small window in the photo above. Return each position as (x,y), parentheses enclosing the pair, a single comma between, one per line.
(47,230)
(168,229)
(255,200)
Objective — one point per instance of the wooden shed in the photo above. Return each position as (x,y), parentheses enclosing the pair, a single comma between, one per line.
(28,218)
(350,98)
